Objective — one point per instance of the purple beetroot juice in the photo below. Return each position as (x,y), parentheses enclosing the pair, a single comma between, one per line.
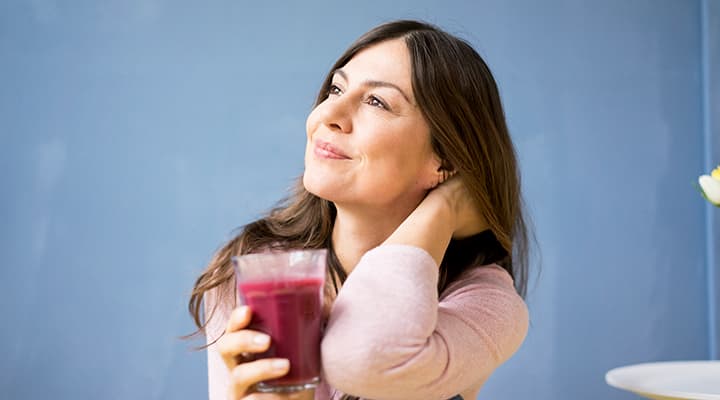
(290,311)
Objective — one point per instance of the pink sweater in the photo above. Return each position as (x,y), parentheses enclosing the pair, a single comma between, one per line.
(390,337)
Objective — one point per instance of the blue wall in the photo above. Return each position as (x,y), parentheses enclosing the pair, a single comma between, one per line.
(711,69)
(135,135)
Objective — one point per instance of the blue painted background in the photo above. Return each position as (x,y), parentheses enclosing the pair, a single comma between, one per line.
(711,68)
(135,135)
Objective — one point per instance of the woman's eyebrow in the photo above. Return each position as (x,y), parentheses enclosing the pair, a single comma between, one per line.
(374,83)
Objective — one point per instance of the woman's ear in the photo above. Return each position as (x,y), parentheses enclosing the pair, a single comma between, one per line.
(429,174)
(438,171)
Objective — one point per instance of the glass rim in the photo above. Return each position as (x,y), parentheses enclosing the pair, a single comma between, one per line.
(277,252)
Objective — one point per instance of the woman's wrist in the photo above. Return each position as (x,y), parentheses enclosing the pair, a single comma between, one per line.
(430,227)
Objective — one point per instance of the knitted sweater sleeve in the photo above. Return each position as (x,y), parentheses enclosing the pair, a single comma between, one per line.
(389,336)
(218,306)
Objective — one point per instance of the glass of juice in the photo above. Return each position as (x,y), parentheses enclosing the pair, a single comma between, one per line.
(284,290)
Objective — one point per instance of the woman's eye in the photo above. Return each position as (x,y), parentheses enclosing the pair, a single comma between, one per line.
(375,102)
(334,90)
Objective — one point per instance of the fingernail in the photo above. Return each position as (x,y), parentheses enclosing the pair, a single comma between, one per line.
(280,364)
(240,312)
(261,340)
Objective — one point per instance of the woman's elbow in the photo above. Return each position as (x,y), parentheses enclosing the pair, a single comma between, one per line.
(347,365)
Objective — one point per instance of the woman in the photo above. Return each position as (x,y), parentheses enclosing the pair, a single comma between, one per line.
(411,182)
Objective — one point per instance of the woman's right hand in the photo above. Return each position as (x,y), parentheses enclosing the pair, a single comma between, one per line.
(239,344)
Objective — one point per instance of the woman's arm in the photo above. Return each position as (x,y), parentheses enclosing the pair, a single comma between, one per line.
(218,375)
(446,212)
(389,337)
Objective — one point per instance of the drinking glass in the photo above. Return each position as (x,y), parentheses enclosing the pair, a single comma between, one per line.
(284,290)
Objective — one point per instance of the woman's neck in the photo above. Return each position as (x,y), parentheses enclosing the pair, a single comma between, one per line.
(355,232)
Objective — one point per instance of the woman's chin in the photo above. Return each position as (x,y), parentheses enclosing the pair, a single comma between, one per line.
(318,187)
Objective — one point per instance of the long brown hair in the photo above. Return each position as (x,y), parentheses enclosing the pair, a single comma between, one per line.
(458,96)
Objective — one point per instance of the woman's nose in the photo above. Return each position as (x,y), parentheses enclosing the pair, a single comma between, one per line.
(337,114)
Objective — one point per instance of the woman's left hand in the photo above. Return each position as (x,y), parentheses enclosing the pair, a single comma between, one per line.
(467,220)
(446,212)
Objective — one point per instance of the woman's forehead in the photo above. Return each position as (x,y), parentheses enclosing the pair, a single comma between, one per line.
(391,56)
(387,61)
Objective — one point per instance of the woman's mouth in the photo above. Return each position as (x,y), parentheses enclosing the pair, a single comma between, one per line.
(324,149)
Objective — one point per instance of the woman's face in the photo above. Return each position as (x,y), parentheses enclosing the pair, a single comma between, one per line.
(368,143)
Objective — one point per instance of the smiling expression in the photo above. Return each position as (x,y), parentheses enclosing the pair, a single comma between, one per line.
(368,143)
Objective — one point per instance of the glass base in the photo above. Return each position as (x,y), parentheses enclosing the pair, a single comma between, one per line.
(263,387)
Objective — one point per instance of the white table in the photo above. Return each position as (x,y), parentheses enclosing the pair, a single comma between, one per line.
(673,380)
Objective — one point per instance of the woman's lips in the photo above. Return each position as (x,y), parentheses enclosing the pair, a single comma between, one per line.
(327,150)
